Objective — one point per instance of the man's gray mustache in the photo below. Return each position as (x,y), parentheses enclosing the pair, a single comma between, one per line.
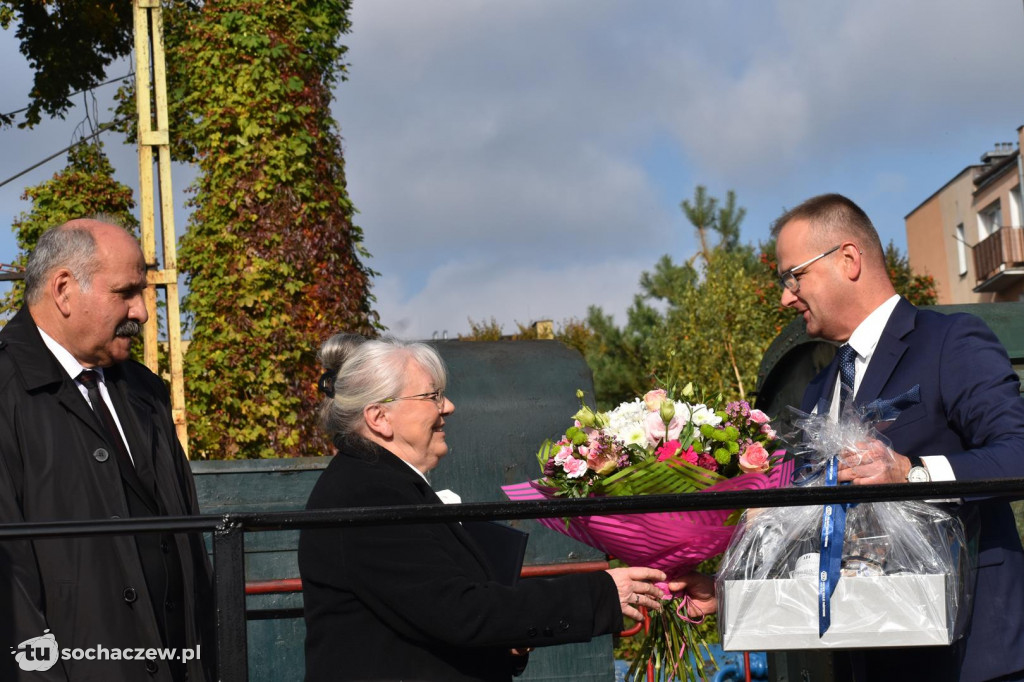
(128,328)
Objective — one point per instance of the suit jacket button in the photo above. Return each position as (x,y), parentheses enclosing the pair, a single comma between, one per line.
(130,595)
(168,605)
(100,455)
(531,632)
(548,632)
(151,667)
(564,624)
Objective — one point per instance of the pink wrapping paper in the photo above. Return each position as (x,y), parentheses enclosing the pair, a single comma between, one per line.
(672,541)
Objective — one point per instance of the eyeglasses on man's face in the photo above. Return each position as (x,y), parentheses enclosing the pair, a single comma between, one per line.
(788,280)
(436,397)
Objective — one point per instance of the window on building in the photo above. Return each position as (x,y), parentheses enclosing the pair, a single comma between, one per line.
(961,249)
(1015,207)
(990,219)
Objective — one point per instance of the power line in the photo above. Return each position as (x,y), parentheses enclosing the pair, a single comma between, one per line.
(102,129)
(78,92)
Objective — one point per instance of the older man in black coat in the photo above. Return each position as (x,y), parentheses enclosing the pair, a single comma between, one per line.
(86,433)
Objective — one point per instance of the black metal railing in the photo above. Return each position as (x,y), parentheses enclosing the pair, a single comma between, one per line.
(229,529)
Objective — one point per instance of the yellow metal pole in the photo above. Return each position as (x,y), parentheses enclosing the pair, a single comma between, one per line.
(150,91)
(142,105)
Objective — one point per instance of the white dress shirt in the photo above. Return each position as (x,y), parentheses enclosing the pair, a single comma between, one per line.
(75,368)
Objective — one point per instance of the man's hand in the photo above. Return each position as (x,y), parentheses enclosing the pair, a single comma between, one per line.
(872,462)
(700,589)
(636,588)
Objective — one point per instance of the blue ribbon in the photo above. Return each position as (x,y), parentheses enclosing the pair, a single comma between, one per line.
(833,527)
(889,409)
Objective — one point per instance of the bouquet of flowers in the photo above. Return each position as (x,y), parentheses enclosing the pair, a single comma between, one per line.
(658,444)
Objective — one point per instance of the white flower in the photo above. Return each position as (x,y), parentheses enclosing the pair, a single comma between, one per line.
(626,422)
(702,415)
(633,434)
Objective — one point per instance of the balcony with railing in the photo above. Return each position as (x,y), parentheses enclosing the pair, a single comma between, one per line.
(999,259)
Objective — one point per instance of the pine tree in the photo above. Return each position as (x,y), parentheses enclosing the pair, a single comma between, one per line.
(86,186)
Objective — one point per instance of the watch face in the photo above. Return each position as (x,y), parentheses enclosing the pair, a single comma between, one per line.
(918,475)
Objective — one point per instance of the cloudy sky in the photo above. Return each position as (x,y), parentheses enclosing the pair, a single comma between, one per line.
(524,159)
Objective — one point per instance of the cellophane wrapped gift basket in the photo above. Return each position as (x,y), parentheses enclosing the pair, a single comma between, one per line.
(881,574)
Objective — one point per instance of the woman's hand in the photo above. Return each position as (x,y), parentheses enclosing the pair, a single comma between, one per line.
(636,588)
(700,589)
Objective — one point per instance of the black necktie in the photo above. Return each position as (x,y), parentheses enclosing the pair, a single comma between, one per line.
(90,379)
(847,372)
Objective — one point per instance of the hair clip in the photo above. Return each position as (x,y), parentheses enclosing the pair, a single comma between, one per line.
(326,383)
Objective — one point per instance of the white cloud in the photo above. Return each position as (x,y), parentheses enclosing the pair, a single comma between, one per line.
(842,77)
(494,145)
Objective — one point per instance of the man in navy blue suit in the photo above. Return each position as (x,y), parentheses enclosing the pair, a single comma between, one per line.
(961,418)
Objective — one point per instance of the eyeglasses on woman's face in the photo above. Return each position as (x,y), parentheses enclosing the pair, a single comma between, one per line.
(437,397)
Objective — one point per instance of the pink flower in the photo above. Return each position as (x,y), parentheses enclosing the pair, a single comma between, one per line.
(754,458)
(564,453)
(654,425)
(667,449)
(653,399)
(574,468)
(602,460)
(673,448)
(593,444)
(758,417)
(767,430)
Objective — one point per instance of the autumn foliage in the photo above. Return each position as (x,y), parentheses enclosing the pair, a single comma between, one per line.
(271,256)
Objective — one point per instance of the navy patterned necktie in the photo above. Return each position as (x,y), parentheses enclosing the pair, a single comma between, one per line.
(847,373)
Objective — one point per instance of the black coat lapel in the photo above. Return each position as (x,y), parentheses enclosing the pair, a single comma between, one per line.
(40,371)
(71,397)
(391,460)
(132,413)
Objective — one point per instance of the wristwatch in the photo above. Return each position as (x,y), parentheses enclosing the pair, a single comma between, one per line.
(918,473)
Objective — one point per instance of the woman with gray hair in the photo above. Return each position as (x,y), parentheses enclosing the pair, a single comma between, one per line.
(420,601)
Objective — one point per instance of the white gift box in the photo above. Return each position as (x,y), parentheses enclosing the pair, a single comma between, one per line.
(869,612)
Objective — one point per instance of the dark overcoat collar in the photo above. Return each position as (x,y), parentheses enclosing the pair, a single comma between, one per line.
(41,372)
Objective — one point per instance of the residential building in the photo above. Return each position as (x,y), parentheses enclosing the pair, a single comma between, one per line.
(968,235)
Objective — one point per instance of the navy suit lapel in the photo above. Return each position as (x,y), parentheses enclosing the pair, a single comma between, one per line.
(888,352)
(818,395)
